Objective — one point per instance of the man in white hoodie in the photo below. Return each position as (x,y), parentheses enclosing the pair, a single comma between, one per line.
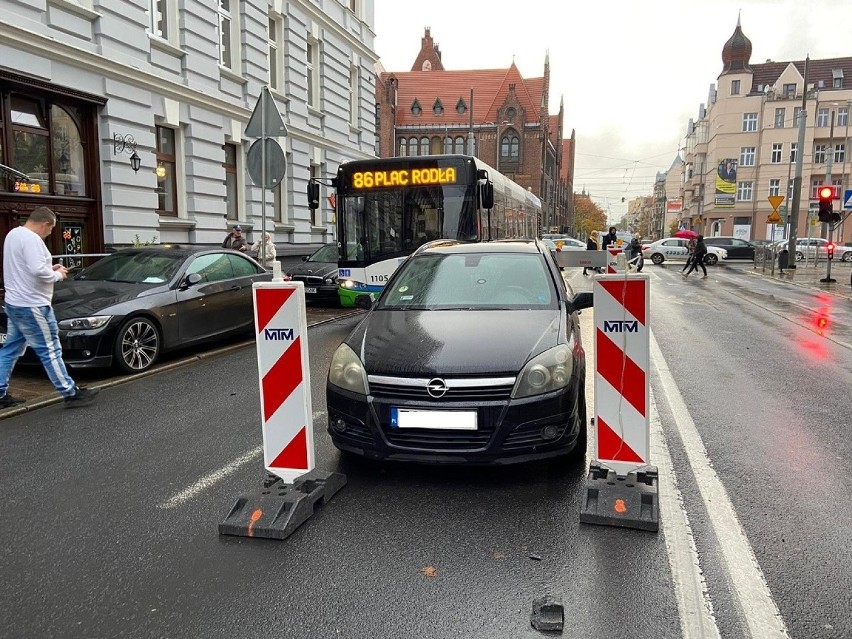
(29,277)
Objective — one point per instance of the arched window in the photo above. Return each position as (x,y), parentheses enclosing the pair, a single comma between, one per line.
(458,145)
(461,107)
(438,108)
(403,147)
(510,147)
(424,146)
(412,147)
(436,145)
(69,167)
(416,109)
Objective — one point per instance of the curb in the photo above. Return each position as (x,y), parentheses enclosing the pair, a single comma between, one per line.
(189,359)
(811,286)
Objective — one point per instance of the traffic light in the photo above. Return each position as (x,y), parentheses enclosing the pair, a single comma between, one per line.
(826,208)
(830,249)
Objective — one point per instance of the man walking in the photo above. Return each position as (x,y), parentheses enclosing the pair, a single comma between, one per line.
(29,278)
(235,240)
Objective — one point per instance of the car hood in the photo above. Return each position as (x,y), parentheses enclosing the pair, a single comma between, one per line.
(441,343)
(79,298)
(316,269)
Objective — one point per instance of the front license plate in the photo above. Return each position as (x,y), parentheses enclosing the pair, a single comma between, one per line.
(433,419)
(310,291)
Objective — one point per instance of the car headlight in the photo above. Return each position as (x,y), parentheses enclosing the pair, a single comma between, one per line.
(85,323)
(330,280)
(549,371)
(347,372)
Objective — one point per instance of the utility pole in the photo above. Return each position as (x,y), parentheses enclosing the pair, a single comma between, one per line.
(797,181)
(828,166)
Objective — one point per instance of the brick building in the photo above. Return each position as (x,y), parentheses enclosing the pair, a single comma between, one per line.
(430,110)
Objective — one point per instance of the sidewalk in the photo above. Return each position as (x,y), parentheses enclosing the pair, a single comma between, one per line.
(31,382)
(809,277)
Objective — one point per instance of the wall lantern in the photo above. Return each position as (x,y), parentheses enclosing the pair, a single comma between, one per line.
(126,144)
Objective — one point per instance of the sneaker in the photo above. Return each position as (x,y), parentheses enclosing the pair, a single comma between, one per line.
(7,401)
(82,397)
(704,278)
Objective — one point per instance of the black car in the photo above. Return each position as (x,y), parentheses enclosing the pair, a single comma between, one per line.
(319,274)
(472,353)
(737,249)
(129,307)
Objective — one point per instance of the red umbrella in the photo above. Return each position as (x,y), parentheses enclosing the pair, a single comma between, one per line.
(686,234)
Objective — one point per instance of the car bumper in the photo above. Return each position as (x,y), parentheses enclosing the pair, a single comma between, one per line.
(508,431)
(87,349)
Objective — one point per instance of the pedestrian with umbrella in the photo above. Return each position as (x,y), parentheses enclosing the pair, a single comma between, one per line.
(698,257)
(686,234)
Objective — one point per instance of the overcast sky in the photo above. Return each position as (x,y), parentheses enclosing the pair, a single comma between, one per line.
(631,73)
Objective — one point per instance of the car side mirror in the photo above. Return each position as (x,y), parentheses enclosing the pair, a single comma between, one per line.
(305,258)
(364,301)
(192,279)
(584,300)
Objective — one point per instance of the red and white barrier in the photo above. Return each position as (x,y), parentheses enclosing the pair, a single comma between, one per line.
(622,371)
(284,375)
(612,259)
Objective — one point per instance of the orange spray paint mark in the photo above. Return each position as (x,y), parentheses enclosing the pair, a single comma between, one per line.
(257,514)
(620,506)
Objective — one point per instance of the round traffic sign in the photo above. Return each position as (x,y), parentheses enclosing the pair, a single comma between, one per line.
(276,163)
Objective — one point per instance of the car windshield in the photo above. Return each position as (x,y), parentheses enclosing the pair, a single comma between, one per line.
(325,254)
(134,268)
(487,281)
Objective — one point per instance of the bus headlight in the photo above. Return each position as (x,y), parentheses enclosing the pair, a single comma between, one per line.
(549,371)
(347,284)
(347,372)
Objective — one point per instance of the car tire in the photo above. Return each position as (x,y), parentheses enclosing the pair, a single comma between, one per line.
(658,258)
(799,256)
(137,345)
(711,259)
(846,257)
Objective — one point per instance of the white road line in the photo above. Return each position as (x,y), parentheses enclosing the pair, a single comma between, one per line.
(213,478)
(761,614)
(693,600)
(217,475)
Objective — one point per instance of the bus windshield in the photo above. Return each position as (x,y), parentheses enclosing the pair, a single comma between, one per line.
(392,222)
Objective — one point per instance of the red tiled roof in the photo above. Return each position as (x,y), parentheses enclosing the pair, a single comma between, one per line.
(768,72)
(490,87)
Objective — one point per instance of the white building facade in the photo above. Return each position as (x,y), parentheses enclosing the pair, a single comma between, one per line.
(86,83)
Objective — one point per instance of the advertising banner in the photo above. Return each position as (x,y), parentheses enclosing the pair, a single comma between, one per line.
(726,183)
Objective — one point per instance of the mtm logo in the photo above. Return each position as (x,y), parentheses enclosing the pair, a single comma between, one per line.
(276,334)
(621,326)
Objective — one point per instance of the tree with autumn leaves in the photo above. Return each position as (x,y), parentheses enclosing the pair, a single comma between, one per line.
(588,216)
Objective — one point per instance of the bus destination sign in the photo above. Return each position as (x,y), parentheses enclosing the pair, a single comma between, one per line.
(404,177)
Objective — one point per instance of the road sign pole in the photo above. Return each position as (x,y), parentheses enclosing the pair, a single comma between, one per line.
(263,177)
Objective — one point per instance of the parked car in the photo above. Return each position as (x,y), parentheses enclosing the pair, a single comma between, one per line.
(811,247)
(131,306)
(318,272)
(673,248)
(735,247)
(563,244)
(422,377)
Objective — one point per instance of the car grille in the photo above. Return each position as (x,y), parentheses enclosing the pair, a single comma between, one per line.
(309,280)
(459,390)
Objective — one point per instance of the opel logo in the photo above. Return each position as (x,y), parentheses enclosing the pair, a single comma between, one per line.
(436,388)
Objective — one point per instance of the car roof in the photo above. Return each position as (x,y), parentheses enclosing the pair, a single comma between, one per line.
(182,250)
(496,246)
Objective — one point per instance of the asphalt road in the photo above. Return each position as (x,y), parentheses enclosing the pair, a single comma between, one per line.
(110,513)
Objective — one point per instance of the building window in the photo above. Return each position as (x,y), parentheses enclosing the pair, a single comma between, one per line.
(794,148)
(232,201)
(158,22)
(790,90)
(790,190)
(797,112)
(510,147)
(69,166)
(747,156)
(438,108)
(819,153)
(774,187)
(312,70)
(354,94)
(461,107)
(822,117)
(777,150)
(403,148)
(839,153)
(316,171)
(353,6)
(424,146)
(837,78)
(273,51)
(413,147)
(749,121)
(779,118)
(735,87)
(744,191)
(816,183)
(842,116)
(166,154)
(416,109)
(458,145)
(224,32)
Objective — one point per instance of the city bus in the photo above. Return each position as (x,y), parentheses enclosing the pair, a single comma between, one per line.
(387,207)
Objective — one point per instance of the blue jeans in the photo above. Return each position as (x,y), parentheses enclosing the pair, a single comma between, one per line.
(36,327)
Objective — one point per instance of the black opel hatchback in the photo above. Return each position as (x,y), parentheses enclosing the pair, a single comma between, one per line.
(472,354)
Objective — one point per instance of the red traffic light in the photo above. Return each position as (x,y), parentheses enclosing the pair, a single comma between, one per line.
(826,193)
(830,250)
